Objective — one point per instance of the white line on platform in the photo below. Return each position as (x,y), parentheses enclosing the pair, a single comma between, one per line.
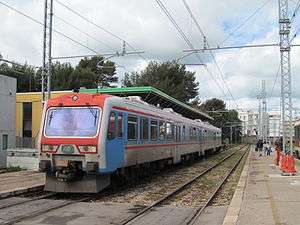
(281,176)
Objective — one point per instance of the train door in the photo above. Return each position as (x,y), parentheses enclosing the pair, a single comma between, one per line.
(115,143)
(177,156)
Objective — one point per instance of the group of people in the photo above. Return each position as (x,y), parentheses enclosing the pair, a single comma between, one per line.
(263,147)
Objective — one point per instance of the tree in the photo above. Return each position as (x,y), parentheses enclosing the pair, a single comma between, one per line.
(25,75)
(89,73)
(223,118)
(98,72)
(168,77)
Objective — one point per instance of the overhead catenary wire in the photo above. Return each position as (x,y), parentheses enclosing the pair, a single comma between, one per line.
(295,35)
(244,22)
(54,30)
(83,32)
(187,41)
(98,26)
(275,81)
(295,11)
(211,53)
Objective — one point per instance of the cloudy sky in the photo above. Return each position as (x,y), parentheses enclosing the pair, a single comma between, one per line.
(143,24)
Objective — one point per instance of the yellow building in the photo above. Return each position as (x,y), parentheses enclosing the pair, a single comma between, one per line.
(28,116)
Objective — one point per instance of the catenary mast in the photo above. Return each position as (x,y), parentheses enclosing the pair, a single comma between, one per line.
(285,69)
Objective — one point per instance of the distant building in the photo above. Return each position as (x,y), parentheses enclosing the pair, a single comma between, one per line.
(275,124)
(250,122)
(7,116)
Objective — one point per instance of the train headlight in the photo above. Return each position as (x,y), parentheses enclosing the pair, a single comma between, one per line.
(49,148)
(87,148)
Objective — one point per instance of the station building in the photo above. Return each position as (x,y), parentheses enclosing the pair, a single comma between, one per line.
(7,116)
(29,108)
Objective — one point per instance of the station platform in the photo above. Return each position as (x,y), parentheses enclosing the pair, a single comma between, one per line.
(19,182)
(263,196)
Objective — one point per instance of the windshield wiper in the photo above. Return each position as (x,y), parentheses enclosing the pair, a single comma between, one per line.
(50,118)
(94,113)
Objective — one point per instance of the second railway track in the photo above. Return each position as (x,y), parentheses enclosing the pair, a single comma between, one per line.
(179,190)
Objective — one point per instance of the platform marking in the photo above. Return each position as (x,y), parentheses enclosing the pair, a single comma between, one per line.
(295,183)
(280,176)
(275,214)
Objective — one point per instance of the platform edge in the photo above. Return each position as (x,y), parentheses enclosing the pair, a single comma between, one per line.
(234,208)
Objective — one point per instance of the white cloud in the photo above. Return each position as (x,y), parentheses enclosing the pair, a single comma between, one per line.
(142,23)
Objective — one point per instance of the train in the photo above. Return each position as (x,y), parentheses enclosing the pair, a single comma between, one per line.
(297,138)
(85,139)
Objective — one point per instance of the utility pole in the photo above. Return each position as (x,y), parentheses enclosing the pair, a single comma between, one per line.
(264,111)
(47,48)
(285,69)
(259,116)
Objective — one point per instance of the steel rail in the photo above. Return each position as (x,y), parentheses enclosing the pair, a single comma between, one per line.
(179,188)
(43,210)
(26,200)
(200,209)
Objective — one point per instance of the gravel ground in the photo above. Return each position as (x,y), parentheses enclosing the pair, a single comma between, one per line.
(198,193)
(226,193)
(153,188)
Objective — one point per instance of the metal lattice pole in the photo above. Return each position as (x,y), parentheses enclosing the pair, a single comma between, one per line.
(47,46)
(259,116)
(285,66)
(264,111)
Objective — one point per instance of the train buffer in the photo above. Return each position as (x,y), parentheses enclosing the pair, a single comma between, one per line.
(264,196)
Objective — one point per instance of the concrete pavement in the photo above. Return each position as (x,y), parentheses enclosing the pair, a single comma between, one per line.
(268,198)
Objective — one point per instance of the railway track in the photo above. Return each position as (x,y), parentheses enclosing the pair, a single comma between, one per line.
(178,190)
(16,209)
(22,209)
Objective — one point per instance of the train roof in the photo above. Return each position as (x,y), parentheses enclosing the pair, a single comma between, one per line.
(155,97)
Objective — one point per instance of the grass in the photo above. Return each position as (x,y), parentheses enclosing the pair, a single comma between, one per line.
(11,169)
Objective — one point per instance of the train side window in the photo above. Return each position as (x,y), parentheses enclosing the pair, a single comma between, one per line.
(132,128)
(111,133)
(183,133)
(200,135)
(153,130)
(144,128)
(170,131)
(162,130)
(179,133)
(120,125)
(177,137)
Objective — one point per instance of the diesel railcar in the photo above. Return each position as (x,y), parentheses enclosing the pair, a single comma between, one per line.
(86,138)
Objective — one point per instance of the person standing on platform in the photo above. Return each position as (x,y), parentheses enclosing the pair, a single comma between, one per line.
(265,146)
(268,148)
(259,145)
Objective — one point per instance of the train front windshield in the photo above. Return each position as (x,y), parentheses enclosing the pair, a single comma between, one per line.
(72,121)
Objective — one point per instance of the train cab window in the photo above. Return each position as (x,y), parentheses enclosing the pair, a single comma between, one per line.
(111,132)
(183,133)
(162,131)
(120,125)
(144,128)
(132,128)
(153,130)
